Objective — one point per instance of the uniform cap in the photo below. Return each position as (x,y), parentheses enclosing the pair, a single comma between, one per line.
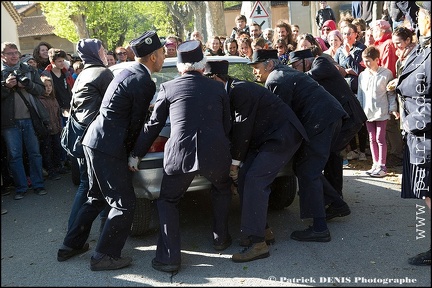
(217,67)
(146,44)
(190,52)
(295,56)
(263,55)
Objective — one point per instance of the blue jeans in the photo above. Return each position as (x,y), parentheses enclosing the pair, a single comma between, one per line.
(15,137)
(81,193)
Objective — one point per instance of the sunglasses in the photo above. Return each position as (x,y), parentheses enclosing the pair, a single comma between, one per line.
(326,29)
(121,53)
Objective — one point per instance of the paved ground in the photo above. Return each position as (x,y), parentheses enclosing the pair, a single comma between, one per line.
(370,247)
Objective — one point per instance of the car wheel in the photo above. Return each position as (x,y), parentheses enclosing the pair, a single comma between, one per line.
(142,217)
(75,171)
(283,191)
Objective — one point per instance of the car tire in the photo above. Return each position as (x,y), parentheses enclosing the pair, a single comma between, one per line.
(142,217)
(75,171)
(283,191)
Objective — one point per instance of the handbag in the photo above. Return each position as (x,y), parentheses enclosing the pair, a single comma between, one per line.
(71,137)
(39,116)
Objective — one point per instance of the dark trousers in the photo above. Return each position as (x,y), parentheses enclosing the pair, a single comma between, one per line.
(309,164)
(394,138)
(51,151)
(257,173)
(110,184)
(362,139)
(172,189)
(333,170)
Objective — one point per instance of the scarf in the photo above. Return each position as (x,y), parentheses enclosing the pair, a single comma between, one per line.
(6,70)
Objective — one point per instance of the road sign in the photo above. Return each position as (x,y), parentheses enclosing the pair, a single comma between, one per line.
(258,11)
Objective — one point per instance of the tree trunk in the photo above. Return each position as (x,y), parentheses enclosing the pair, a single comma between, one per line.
(199,11)
(182,15)
(80,25)
(215,18)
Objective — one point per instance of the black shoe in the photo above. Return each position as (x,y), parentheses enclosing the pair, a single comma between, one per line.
(40,191)
(19,196)
(63,255)
(109,263)
(220,245)
(421,259)
(333,212)
(165,267)
(310,235)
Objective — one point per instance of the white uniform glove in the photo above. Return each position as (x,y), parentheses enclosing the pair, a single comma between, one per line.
(133,163)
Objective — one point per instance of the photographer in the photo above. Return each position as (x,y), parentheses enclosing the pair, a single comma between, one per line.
(16,124)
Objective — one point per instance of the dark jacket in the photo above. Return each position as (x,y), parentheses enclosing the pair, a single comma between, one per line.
(324,15)
(261,121)
(414,86)
(64,101)
(89,90)
(199,113)
(35,88)
(235,31)
(122,112)
(328,76)
(54,111)
(314,106)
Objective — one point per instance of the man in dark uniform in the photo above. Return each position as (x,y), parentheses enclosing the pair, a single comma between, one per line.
(264,137)
(328,76)
(200,123)
(107,144)
(321,115)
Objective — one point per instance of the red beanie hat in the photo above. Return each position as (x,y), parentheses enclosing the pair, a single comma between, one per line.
(329,23)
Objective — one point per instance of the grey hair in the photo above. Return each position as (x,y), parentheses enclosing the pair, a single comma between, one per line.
(184,67)
(275,62)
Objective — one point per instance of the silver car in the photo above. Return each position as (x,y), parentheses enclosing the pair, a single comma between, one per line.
(147,181)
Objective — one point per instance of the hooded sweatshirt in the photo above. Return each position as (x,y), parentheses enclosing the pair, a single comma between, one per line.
(91,83)
(88,50)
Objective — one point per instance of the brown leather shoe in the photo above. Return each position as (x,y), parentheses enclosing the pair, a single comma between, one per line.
(256,251)
(109,263)
(268,237)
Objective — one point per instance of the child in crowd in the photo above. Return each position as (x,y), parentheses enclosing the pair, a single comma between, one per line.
(50,147)
(378,104)
(78,66)
(282,50)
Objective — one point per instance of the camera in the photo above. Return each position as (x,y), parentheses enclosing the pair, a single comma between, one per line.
(20,76)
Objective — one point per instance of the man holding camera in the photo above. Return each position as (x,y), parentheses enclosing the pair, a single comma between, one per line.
(16,124)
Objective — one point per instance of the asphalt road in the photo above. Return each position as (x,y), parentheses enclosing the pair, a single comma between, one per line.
(370,247)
